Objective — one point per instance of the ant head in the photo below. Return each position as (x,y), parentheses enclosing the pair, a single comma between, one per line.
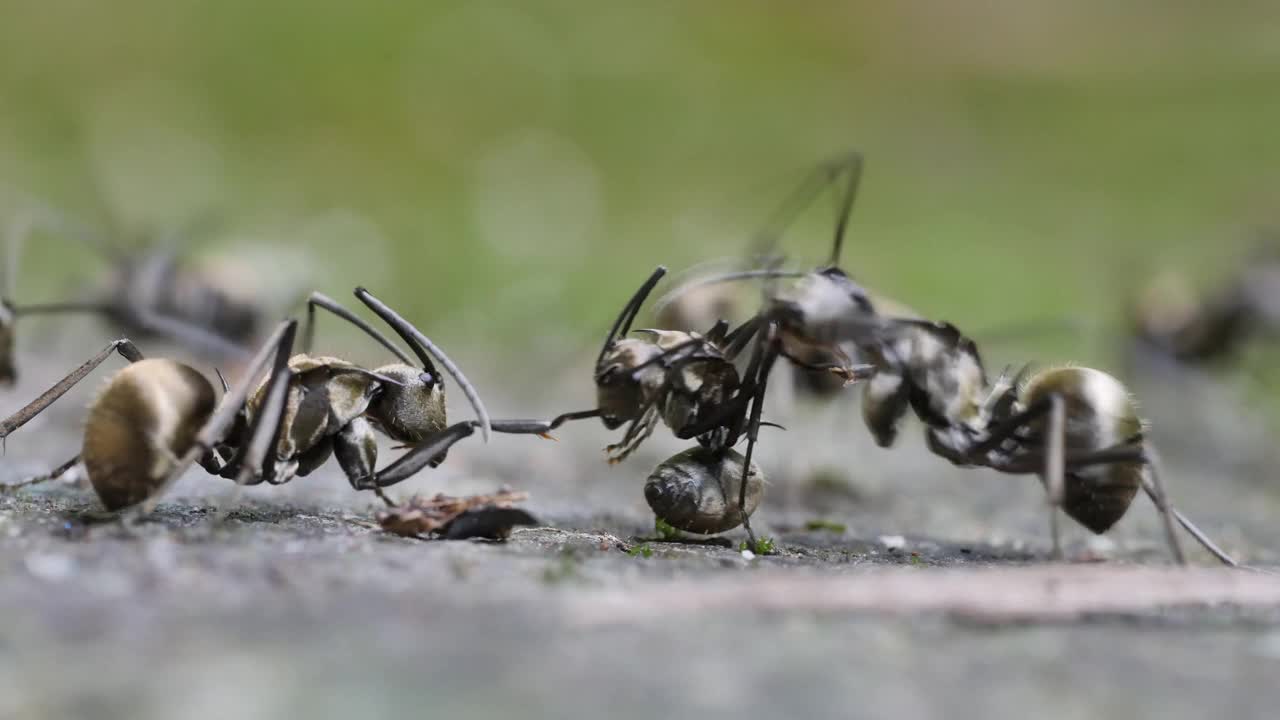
(412,407)
(620,390)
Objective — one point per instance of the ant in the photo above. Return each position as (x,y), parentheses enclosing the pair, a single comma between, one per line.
(686,380)
(809,320)
(1194,329)
(1076,427)
(147,293)
(156,417)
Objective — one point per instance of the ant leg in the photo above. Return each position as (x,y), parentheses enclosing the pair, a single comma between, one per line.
(256,460)
(540,427)
(420,456)
(424,453)
(215,429)
(637,432)
(1153,487)
(852,166)
(1196,532)
(122,346)
(1007,428)
(53,474)
(803,196)
(1152,480)
(850,373)
(320,300)
(189,334)
(356,448)
(738,339)
(753,428)
(1055,468)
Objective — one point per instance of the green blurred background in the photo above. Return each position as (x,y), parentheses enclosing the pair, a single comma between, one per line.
(524,164)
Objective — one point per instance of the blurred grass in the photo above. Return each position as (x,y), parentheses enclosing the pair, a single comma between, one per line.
(529,162)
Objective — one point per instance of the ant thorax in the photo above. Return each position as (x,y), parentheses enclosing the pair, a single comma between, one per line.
(325,393)
(694,376)
(694,388)
(820,309)
(936,372)
(945,366)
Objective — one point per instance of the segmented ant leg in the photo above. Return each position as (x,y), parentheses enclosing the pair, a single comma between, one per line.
(1196,533)
(1154,488)
(753,425)
(435,446)
(1007,429)
(1055,468)
(222,420)
(803,196)
(256,460)
(541,428)
(849,373)
(320,300)
(1152,480)
(852,166)
(426,350)
(189,335)
(410,463)
(637,432)
(53,474)
(123,347)
(738,339)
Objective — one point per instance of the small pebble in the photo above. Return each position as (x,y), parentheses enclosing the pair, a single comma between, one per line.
(748,555)
(1101,546)
(893,542)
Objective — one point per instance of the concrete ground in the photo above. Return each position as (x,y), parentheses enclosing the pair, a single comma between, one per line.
(904,587)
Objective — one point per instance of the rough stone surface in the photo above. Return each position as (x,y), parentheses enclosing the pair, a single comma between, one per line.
(904,588)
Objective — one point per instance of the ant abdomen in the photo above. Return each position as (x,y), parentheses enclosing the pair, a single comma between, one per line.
(139,425)
(1100,414)
(686,492)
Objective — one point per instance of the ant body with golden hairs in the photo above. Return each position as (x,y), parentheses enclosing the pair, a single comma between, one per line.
(157,417)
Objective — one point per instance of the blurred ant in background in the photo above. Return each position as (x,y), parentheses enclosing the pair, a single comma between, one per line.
(147,291)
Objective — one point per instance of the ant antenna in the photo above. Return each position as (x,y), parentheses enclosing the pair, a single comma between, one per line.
(622,325)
